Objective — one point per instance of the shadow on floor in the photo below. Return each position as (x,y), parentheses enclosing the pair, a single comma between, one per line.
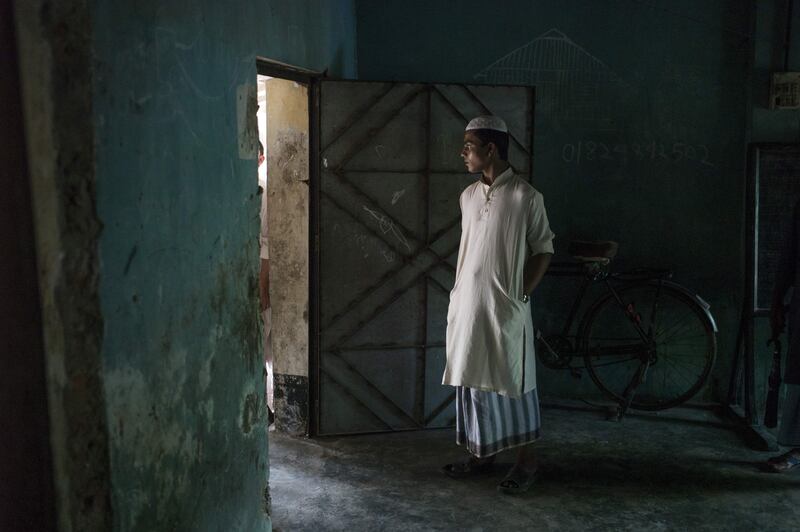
(641,474)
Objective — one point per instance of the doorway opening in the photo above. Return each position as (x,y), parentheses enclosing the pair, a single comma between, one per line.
(283,178)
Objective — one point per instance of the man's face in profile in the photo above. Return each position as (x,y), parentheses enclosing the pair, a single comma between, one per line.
(474,153)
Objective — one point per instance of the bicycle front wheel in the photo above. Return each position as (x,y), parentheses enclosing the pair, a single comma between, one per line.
(679,341)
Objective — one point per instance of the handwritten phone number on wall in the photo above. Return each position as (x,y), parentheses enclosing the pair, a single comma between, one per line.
(677,152)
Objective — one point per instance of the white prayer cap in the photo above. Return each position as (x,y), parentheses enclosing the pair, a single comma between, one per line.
(488,122)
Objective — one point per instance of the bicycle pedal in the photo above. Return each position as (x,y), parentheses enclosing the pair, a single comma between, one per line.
(576,373)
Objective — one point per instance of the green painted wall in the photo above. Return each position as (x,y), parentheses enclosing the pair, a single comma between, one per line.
(178,250)
(640,125)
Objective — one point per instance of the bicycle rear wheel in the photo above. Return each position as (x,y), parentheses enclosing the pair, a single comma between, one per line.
(680,343)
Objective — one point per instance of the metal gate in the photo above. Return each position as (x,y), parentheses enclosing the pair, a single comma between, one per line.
(390,175)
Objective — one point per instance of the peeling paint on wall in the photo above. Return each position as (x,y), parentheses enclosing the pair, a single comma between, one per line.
(251,412)
(287,167)
(246,109)
(176,179)
(152,341)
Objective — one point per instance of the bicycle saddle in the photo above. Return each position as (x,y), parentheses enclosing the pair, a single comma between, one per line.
(602,251)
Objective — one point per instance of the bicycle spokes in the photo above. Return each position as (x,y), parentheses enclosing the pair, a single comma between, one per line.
(651,340)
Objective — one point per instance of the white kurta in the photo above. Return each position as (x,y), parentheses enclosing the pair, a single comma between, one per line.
(489,327)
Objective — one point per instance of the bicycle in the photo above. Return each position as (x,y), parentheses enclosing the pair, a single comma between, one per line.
(647,343)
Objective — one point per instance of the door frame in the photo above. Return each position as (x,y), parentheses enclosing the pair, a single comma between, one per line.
(309,78)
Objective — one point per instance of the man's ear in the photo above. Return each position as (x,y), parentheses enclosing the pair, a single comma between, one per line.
(492,149)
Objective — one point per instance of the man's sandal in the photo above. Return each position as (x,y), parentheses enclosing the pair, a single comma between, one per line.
(470,468)
(517,481)
(784,463)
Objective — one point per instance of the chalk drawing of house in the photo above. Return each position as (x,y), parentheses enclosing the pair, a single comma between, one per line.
(572,86)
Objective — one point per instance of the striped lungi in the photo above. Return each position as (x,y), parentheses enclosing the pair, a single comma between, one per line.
(487,422)
(789,432)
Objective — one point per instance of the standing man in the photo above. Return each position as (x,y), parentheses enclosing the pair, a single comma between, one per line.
(787,277)
(263,292)
(506,246)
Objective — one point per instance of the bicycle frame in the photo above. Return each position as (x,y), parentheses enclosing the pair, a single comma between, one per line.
(562,348)
(594,272)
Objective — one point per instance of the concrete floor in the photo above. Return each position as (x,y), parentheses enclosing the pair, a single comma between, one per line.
(680,470)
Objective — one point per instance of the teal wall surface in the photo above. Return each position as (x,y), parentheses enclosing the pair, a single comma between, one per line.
(315,34)
(179,249)
(642,113)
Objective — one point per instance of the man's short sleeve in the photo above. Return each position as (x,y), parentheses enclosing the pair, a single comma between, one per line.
(539,236)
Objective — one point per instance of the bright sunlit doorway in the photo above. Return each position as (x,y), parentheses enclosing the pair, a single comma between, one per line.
(283,123)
